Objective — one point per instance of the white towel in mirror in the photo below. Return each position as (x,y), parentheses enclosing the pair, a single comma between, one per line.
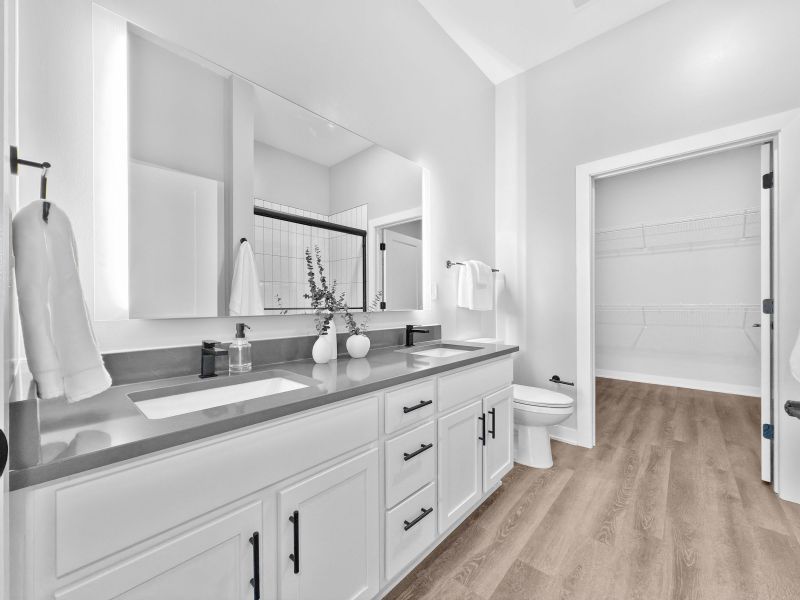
(59,341)
(246,296)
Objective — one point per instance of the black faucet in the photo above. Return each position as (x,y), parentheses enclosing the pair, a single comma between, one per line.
(208,358)
(410,331)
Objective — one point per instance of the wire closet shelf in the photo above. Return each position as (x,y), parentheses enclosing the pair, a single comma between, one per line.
(736,316)
(733,228)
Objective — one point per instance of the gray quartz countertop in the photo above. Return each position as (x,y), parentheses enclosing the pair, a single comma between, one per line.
(61,439)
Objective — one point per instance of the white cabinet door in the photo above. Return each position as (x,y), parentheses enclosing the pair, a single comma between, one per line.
(497,457)
(460,478)
(328,533)
(212,561)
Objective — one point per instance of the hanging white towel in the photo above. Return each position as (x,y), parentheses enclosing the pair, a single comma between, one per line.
(246,296)
(471,294)
(59,342)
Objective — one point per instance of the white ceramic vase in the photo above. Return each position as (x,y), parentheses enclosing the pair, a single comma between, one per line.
(358,345)
(321,352)
(334,351)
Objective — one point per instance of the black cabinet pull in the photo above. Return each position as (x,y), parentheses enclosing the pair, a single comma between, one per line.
(256,580)
(491,431)
(482,437)
(422,448)
(423,404)
(409,524)
(295,556)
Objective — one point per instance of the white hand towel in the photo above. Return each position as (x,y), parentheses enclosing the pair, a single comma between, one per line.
(246,296)
(470,294)
(481,273)
(59,342)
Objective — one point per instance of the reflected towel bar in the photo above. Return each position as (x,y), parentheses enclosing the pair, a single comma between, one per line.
(452,263)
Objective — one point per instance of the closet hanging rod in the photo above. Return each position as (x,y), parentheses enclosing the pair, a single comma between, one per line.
(452,263)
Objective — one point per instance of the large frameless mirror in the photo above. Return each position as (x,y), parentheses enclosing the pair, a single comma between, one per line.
(192,160)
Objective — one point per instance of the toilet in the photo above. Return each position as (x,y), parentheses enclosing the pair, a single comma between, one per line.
(536,409)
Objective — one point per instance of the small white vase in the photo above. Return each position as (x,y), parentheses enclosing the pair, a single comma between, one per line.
(334,351)
(321,352)
(358,345)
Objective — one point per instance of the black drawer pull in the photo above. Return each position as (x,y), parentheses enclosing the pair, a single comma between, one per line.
(409,524)
(256,580)
(482,437)
(422,448)
(491,431)
(295,556)
(423,404)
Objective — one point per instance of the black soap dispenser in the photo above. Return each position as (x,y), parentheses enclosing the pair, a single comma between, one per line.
(239,354)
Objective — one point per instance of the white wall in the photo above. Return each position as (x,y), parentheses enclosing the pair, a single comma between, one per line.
(286,178)
(723,356)
(177,111)
(411,228)
(684,68)
(350,61)
(376,177)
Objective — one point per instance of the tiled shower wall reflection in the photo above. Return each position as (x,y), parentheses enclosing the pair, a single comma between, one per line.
(280,257)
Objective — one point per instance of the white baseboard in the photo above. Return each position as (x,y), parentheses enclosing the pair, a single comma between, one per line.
(568,435)
(692,384)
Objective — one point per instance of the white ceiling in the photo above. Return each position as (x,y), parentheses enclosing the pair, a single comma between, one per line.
(292,128)
(506,37)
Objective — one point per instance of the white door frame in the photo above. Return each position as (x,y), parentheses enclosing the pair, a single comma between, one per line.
(8,202)
(764,129)
(373,226)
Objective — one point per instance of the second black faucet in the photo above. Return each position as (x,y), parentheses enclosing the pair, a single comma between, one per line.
(410,331)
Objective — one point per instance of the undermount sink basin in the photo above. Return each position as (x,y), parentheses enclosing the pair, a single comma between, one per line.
(180,400)
(443,350)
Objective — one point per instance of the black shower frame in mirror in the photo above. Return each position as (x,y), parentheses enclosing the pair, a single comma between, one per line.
(301,220)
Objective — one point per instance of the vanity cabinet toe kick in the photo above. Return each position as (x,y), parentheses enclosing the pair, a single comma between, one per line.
(387,476)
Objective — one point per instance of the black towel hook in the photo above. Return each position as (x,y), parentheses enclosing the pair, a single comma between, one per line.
(15,161)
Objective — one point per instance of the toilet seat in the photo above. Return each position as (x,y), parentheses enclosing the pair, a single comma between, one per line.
(525,395)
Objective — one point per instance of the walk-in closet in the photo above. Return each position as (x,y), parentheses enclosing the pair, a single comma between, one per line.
(678,257)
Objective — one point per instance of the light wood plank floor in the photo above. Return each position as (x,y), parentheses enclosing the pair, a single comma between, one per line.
(668,505)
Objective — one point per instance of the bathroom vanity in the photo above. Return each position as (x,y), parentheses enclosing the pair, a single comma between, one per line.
(334,488)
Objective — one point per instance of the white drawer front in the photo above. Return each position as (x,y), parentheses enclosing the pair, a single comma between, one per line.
(104,514)
(405,473)
(474,382)
(406,540)
(409,405)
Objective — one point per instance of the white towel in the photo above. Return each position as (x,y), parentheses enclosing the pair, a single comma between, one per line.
(470,293)
(59,342)
(246,296)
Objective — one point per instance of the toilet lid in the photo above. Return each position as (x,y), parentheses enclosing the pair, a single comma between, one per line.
(534,396)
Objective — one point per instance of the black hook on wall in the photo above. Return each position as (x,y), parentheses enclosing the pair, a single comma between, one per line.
(15,161)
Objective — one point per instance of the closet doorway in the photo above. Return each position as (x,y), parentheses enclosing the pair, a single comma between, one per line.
(683,279)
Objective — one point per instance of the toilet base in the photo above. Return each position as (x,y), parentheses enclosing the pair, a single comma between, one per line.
(532,447)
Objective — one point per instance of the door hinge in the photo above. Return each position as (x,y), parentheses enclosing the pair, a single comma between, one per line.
(383,305)
(767,181)
(768,431)
(382,247)
(768,306)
